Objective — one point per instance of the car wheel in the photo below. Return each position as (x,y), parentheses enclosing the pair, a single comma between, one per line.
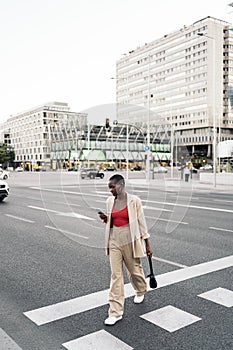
(5,177)
(102,176)
(1,199)
(92,176)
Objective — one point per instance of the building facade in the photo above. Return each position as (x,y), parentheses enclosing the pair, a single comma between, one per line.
(184,79)
(29,132)
(96,145)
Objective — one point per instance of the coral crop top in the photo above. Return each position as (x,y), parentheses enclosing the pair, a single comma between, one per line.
(120,217)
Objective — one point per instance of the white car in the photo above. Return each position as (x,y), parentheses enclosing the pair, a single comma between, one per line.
(19,169)
(4,175)
(206,167)
(160,169)
(4,190)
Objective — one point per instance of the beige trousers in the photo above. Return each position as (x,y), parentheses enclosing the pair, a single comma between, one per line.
(120,250)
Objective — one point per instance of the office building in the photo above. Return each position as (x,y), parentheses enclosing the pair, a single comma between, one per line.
(185,80)
(29,132)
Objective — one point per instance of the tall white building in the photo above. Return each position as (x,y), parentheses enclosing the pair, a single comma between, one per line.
(184,79)
(29,132)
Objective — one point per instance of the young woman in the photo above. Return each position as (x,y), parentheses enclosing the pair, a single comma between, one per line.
(127,240)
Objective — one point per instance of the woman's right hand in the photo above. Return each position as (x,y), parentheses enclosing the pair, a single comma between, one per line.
(103,217)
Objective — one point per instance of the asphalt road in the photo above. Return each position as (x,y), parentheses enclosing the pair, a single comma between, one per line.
(55,275)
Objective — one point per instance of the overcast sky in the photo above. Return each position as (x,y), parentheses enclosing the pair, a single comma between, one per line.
(66,50)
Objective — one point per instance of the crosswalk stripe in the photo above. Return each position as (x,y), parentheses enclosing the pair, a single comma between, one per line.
(100,340)
(170,318)
(221,296)
(6,343)
(77,305)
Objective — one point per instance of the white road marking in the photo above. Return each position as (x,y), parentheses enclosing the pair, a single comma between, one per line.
(77,305)
(67,232)
(6,343)
(140,191)
(178,196)
(220,296)
(33,198)
(19,218)
(43,209)
(147,201)
(170,318)
(220,229)
(68,192)
(222,200)
(161,219)
(103,192)
(100,340)
(75,215)
(168,262)
(191,206)
(72,214)
(154,208)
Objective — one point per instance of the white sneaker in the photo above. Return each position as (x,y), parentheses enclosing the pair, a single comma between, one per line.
(111,320)
(138,299)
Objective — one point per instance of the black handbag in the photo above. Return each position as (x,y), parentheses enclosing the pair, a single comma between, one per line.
(152,281)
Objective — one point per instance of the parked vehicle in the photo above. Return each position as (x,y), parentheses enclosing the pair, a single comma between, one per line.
(137,168)
(73,168)
(160,169)
(110,168)
(4,190)
(19,169)
(91,173)
(194,170)
(4,175)
(206,167)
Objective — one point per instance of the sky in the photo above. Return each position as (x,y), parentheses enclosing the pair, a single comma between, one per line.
(66,50)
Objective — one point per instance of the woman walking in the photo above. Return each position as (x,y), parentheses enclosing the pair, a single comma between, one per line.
(127,240)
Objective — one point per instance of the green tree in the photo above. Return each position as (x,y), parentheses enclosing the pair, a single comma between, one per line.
(7,153)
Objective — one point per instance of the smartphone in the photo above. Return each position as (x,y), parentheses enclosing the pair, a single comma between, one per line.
(100,211)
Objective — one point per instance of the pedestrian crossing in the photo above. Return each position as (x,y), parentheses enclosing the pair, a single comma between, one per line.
(74,306)
(167,318)
(98,340)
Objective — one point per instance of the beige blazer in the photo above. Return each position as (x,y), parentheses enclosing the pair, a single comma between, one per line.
(137,224)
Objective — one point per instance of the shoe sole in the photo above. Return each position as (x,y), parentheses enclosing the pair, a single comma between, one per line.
(112,324)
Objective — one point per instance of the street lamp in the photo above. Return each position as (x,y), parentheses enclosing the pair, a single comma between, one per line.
(115,122)
(148,127)
(213,110)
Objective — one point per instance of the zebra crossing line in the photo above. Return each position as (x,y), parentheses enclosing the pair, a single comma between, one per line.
(100,340)
(77,305)
(168,318)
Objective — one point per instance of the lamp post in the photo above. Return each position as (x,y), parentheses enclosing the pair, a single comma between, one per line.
(148,126)
(115,122)
(213,109)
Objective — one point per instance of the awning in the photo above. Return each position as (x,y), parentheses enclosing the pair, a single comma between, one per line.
(136,156)
(119,155)
(75,154)
(161,156)
(92,155)
(110,155)
(130,156)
